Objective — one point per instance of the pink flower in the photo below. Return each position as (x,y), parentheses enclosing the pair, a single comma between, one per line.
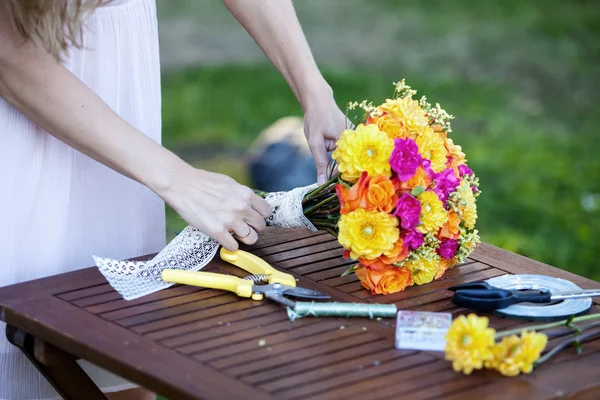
(448,248)
(408,210)
(446,183)
(463,169)
(413,239)
(405,158)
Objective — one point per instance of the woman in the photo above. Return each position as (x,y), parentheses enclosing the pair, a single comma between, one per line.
(82,168)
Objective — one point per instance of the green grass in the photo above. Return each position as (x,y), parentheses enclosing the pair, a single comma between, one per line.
(534,167)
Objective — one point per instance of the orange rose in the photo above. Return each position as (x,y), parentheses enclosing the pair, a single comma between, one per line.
(444,266)
(420,178)
(450,229)
(371,193)
(398,253)
(390,280)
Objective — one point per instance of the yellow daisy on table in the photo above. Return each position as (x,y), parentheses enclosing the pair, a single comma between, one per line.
(515,354)
(433,215)
(368,234)
(422,270)
(433,148)
(402,118)
(365,149)
(469,343)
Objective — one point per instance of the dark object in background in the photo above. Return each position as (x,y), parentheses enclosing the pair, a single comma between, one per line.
(280,159)
(282,166)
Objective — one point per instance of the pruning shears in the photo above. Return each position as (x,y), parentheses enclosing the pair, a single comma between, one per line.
(483,296)
(265,280)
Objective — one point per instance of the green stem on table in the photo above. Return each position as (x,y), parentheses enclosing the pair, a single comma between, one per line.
(569,331)
(577,340)
(314,208)
(546,326)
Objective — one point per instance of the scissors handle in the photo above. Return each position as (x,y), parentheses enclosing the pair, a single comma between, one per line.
(256,266)
(494,299)
(241,287)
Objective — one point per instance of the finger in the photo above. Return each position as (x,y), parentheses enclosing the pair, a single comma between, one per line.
(244,233)
(319,152)
(225,239)
(262,207)
(255,220)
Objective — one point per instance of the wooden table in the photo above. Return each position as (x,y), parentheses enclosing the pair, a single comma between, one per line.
(192,343)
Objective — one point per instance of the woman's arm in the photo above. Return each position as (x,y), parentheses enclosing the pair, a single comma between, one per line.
(274,26)
(53,98)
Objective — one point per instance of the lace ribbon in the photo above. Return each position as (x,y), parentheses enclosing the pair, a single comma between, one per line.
(192,249)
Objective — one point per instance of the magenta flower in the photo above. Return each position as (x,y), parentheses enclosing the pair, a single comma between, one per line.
(405,158)
(446,183)
(463,169)
(413,239)
(448,248)
(426,165)
(408,210)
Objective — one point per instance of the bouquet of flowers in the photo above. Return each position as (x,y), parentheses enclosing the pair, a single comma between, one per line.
(405,203)
(400,200)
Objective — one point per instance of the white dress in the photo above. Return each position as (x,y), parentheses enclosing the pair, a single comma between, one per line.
(57,206)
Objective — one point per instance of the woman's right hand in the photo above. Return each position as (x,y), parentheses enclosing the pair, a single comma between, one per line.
(218,206)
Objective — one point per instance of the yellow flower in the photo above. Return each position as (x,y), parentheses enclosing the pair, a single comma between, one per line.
(366,149)
(514,354)
(402,118)
(468,211)
(432,147)
(469,343)
(368,234)
(433,214)
(422,270)
(455,151)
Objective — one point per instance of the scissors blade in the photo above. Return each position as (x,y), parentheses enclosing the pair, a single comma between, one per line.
(302,293)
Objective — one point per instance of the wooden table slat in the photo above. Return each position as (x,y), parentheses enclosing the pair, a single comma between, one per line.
(192,343)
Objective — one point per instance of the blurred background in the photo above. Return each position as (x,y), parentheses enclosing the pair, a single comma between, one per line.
(522,78)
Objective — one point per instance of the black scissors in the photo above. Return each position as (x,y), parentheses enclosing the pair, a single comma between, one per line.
(483,296)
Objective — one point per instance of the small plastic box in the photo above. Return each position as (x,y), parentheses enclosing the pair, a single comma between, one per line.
(422,330)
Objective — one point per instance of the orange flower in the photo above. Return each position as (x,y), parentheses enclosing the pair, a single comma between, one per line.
(450,229)
(389,124)
(455,156)
(444,266)
(397,254)
(420,178)
(390,280)
(371,193)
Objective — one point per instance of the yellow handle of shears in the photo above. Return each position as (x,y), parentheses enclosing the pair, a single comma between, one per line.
(256,266)
(241,287)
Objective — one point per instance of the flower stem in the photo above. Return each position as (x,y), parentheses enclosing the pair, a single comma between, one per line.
(546,326)
(576,340)
(569,331)
(320,188)
(314,208)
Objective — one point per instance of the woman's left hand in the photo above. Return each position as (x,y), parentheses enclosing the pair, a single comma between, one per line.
(323,124)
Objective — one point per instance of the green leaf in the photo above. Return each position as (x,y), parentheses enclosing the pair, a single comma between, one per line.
(349,270)
(417,190)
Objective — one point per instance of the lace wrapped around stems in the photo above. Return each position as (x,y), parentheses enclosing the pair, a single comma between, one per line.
(192,249)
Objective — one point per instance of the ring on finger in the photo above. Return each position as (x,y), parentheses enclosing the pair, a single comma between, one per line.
(247,234)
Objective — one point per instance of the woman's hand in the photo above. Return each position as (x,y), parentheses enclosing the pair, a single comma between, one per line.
(275,27)
(218,206)
(323,125)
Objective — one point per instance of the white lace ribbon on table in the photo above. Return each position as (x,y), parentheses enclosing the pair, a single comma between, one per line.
(192,249)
